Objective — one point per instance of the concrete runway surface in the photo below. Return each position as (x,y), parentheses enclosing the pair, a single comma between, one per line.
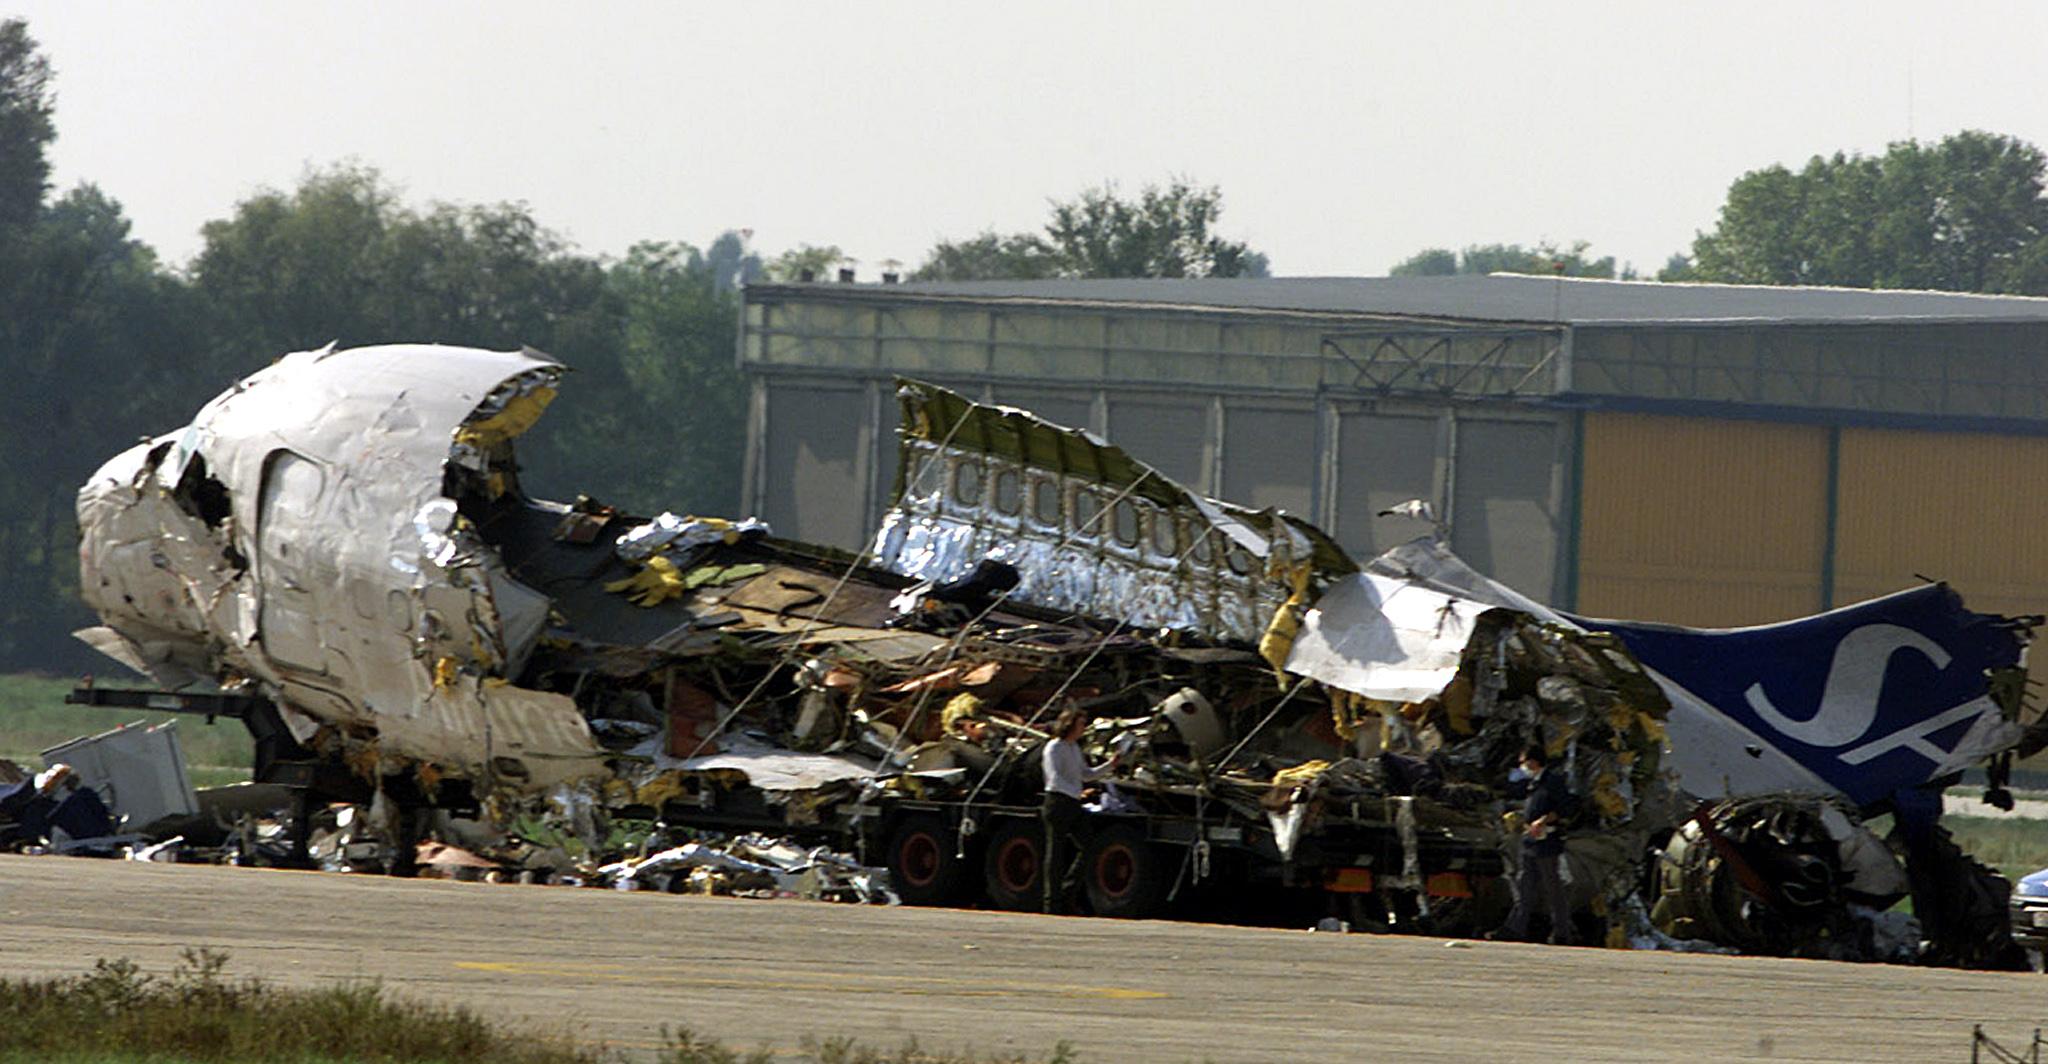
(613,967)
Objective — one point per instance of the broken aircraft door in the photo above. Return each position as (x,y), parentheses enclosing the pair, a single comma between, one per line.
(294,565)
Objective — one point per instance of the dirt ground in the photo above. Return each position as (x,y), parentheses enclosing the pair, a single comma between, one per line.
(615,967)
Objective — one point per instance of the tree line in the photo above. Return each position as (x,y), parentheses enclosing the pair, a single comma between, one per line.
(101,341)
(1963,214)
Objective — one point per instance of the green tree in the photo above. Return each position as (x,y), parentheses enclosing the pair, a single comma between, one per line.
(991,255)
(1162,232)
(94,335)
(1678,269)
(652,418)
(1480,259)
(339,258)
(1964,214)
(289,271)
(486,276)
(26,127)
(1429,262)
(100,343)
(818,262)
(730,263)
(656,423)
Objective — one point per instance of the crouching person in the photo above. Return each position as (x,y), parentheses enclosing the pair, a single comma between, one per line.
(53,802)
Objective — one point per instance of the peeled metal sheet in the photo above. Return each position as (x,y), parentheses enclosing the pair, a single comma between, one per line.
(1861,701)
(296,534)
(775,769)
(1087,527)
(1870,698)
(139,771)
(1384,638)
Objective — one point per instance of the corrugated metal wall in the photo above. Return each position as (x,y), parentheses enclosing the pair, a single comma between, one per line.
(1720,522)
(1507,489)
(1695,520)
(1955,507)
(1498,474)
(1384,459)
(816,464)
(1701,521)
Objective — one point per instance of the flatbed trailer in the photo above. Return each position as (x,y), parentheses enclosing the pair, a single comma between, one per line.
(1378,862)
(1398,862)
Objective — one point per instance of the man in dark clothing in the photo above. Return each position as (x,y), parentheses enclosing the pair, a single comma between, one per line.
(1539,882)
(52,800)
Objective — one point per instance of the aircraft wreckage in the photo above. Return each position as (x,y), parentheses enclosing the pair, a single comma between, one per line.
(338,551)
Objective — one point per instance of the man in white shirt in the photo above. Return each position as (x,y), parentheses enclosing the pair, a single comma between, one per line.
(1066,772)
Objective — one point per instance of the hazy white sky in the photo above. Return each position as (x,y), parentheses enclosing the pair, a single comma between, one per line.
(1345,136)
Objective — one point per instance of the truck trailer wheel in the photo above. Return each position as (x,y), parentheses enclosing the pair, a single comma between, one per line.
(1127,875)
(924,862)
(1015,862)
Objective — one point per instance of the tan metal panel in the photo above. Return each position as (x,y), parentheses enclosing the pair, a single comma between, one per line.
(1951,506)
(1701,521)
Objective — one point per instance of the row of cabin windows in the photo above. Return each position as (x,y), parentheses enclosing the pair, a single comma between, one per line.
(1129,523)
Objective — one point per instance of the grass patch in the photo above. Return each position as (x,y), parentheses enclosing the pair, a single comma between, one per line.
(33,718)
(2013,845)
(117,1014)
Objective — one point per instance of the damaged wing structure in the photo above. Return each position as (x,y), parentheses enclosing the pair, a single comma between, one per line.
(341,542)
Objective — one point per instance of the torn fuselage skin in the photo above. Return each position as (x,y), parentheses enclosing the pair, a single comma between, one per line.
(326,560)
(377,573)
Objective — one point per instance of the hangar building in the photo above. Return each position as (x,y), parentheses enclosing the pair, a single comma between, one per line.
(1699,454)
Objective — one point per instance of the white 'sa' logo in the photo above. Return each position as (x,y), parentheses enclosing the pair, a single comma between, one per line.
(1848,705)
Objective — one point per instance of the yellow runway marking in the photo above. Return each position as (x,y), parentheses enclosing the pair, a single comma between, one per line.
(849,984)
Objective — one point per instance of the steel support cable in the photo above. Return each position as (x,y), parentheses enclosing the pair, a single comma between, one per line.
(1197,858)
(812,622)
(956,643)
(959,639)
(1275,711)
(1075,674)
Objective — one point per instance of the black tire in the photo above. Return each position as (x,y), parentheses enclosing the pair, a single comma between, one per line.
(1015,864)
(924,862)
(1127,876)
(1485,910)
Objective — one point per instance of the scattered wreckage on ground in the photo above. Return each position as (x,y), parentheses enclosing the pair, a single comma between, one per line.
(406,632)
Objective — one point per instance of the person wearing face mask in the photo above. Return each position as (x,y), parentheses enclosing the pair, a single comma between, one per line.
(1538,882)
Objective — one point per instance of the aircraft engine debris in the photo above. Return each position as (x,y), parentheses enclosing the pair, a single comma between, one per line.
(445,675)
(1790,875)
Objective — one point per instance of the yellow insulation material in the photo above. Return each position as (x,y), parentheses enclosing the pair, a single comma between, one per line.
(518,415)
(959,709)
(1285,626)
(656,582)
